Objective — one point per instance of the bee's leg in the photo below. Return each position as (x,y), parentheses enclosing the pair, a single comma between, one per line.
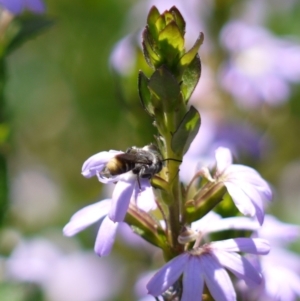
(138,180)
(143,174)
(146,172)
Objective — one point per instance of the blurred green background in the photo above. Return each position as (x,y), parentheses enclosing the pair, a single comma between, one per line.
(65,104)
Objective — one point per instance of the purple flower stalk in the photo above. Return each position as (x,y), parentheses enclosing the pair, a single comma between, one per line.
(206,264)
(128,187)
(248,190)
(16,7)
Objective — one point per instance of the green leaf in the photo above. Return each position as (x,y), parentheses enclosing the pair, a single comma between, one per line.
(144,93)
(165,88)
(168,17)
(151,56)
(186,131)
(30,26)
(190,78)
(171,43)
(151,20)
(188,57)
(160,24)
(4,133)
(178,19)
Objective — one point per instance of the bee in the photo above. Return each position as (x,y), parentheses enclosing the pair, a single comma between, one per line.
(144,162)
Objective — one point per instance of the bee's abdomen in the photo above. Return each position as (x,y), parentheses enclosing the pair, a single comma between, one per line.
(117,167)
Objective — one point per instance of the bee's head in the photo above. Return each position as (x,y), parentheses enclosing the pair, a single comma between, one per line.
(151,148)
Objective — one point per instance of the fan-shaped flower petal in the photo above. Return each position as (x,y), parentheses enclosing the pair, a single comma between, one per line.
(248,190)
(86,217)
(96,163)
(105,237)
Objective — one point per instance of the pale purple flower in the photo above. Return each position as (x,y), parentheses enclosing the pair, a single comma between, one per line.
(278,232)
(206,264)
(129,186)
(16,7)
(96,163)
(123,55)
(248,190)
(76,275)
(251,143)
(281,268)
(256,57)
(90,215)
(31,259)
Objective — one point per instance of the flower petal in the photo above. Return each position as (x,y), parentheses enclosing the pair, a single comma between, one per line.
(105,237)
(193,282)
(97,162)
(224,159)
(86,216)
(203,224)
(240,199)
(217,279)
(145,198)
(247,245)
(167,275)
(232,223)
(257,200)
(278,232)
(281,283)
(121,198)
(243,174)
(14,6)
(239,266)
(36,6)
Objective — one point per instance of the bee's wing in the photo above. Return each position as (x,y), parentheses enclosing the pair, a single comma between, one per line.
(134,158)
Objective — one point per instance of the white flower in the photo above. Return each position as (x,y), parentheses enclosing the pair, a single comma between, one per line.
(247,188)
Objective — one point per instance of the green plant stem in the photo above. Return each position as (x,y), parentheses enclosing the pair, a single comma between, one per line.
(174,197)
